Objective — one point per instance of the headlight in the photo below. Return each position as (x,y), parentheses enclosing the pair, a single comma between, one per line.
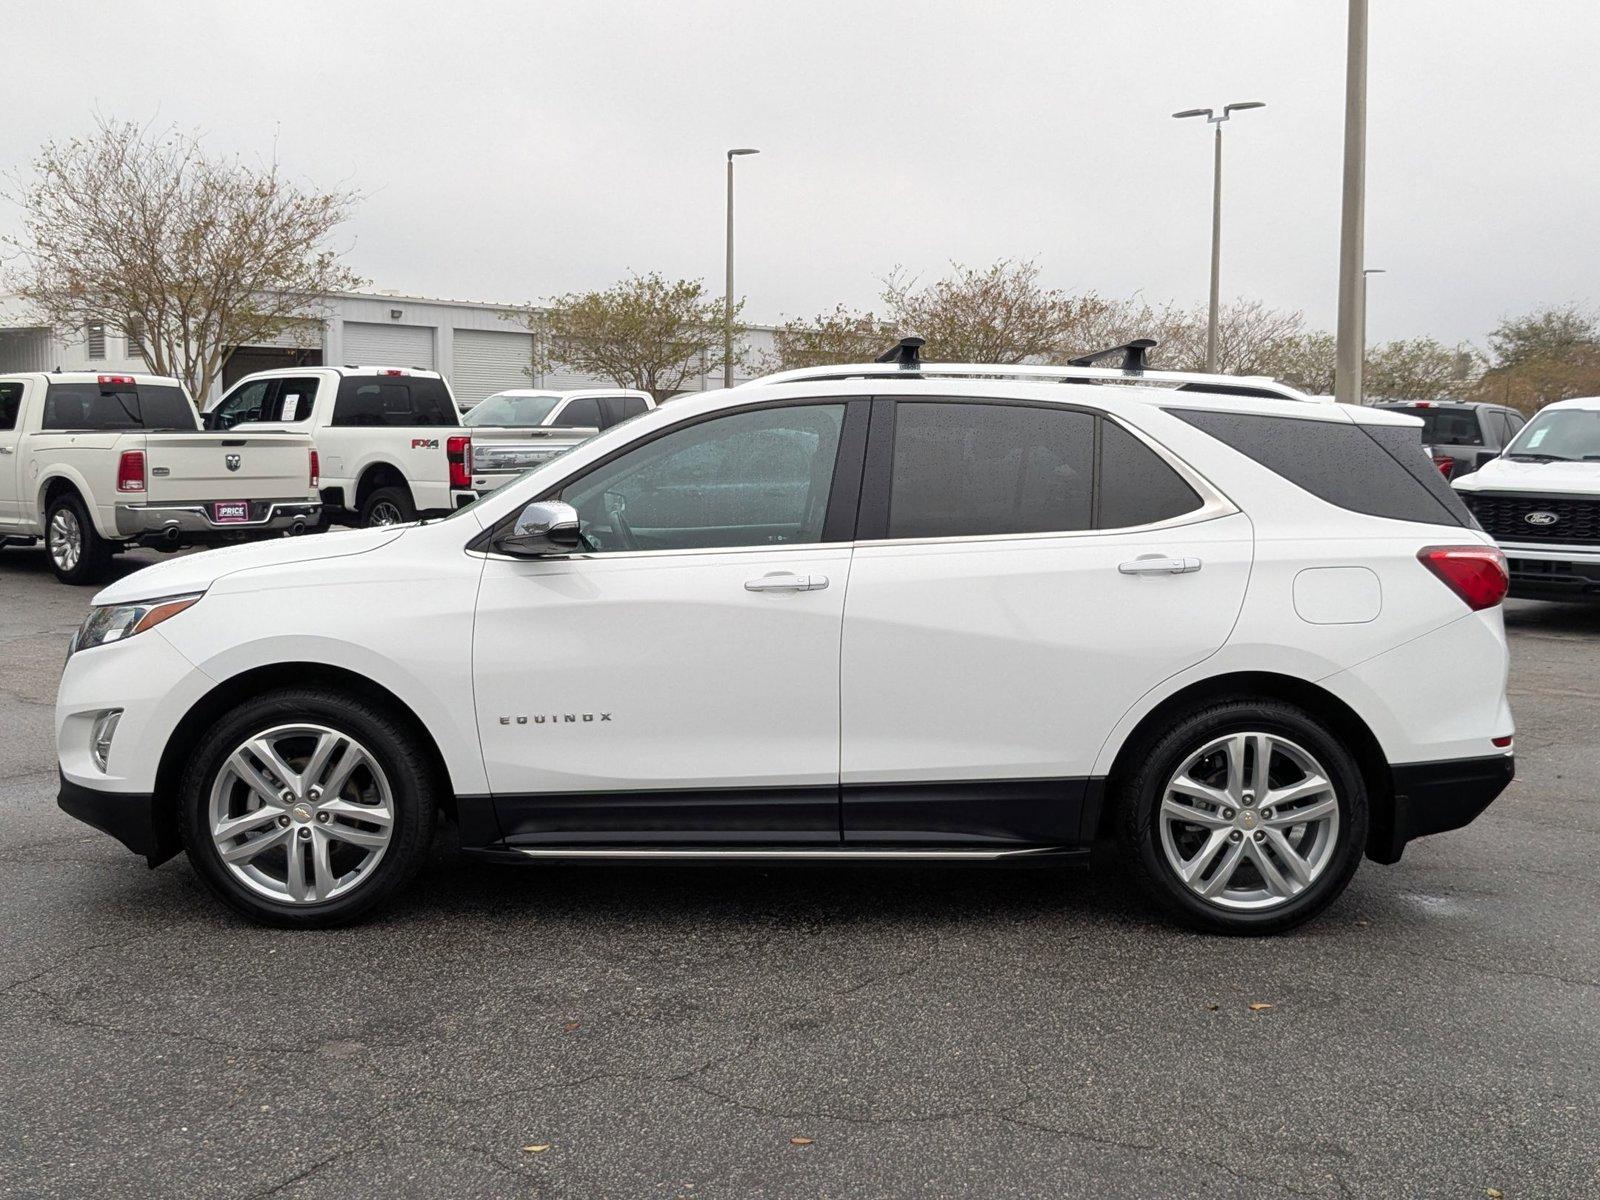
(115,622)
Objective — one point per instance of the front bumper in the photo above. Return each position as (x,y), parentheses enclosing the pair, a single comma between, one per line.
(129,817)
(194,522)
(1552,572)
(1433,797)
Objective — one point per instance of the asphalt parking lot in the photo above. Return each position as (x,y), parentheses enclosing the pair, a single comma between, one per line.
(747,1031)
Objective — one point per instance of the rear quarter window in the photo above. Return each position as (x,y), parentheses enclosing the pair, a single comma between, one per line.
(1379,470)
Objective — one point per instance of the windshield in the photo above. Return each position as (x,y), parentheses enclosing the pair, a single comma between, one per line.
(1560,435)
(1444,426)
(518,412)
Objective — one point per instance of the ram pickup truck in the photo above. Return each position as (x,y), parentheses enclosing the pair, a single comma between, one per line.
(389,438)
(1461,435)
(1540,501)
(92,463)
(546,423)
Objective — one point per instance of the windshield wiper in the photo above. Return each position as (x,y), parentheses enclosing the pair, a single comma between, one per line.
(1542,457)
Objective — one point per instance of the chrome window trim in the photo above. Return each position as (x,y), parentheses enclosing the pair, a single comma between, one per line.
(1214,504)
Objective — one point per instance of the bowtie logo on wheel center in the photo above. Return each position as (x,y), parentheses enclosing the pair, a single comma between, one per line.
(1247,819)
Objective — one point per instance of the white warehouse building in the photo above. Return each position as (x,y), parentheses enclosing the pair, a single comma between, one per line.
(469,342)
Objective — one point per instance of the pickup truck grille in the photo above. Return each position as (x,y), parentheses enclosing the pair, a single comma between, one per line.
(1505,517)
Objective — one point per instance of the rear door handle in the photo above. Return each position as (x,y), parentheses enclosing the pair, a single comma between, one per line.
(786,581)
(1159,564)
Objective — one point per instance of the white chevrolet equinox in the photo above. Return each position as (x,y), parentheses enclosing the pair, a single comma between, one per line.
(892,611)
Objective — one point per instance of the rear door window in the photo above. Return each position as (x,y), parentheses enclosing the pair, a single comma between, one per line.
(396,400)
(582,413)
(1380,470)
(10,404)
(1136,486)
(969,469)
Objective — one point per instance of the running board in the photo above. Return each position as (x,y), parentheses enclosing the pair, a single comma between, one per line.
(735,853)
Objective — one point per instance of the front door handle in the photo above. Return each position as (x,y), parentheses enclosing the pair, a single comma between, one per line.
(786,581)
(5,450)
(1159,564)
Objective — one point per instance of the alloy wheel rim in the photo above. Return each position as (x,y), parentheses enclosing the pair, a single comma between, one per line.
(66,539)
(301,813)
(385,513)
(1249,821)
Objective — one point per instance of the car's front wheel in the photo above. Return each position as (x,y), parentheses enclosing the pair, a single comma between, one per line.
(1248,816)
(304,808)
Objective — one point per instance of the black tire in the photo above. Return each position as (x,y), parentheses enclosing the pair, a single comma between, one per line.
(388,506)
(94,552)
(412,777)
(1140,796)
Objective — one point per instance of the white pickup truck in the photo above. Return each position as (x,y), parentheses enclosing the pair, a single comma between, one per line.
(92,463)
(533,426)
(389,438)
(1540,501)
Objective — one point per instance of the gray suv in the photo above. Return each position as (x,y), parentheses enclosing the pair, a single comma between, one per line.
(1461,435)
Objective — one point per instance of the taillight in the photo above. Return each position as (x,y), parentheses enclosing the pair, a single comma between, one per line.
(316,469)
(1475,573)
(130,471)
(1446,465)
(459,452)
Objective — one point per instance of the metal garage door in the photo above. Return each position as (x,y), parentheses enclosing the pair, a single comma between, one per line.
(489,361)
(367,345)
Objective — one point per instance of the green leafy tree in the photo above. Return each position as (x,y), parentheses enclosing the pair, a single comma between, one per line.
(1420,368)
(646,332)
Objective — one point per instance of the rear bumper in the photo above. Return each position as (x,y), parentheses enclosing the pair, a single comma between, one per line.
(195,521)
(127,816)
(1433,797)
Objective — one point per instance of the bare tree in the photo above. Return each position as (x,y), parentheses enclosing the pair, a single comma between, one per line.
(646,332)
(190,254)
(1001,314)
(1419,369)
(842,336)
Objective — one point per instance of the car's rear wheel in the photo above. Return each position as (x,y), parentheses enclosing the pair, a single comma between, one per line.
(308,809)
(1246,817)
(77,553)
(388,506)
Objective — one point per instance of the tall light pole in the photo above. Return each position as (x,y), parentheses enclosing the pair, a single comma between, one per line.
(1216,215)
(1352,215)
(727,293)
(1366,274)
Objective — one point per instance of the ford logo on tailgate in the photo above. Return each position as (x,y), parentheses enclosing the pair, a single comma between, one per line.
(233,462)
(1541,518)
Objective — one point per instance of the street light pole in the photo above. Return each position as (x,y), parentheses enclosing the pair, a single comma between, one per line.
(1352,218)
(1212,332)
(727,292)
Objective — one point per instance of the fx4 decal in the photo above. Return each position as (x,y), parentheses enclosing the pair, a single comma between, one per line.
(424,443)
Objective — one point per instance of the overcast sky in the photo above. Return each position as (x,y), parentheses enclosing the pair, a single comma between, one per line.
(516,151)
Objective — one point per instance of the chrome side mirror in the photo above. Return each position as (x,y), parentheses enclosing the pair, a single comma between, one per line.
(542,528)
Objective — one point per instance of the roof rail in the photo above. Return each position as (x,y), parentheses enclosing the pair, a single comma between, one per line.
(1191,381)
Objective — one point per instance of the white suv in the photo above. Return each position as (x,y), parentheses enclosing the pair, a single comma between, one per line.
(873,612)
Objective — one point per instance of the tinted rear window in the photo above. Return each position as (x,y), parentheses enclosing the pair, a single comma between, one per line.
(1136,486)
(1380,470)
(964,470)
(117,406)
(393,400)
(1444,426)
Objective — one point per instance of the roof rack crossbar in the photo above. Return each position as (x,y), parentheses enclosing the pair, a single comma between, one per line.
(906,353)
(1135,355)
